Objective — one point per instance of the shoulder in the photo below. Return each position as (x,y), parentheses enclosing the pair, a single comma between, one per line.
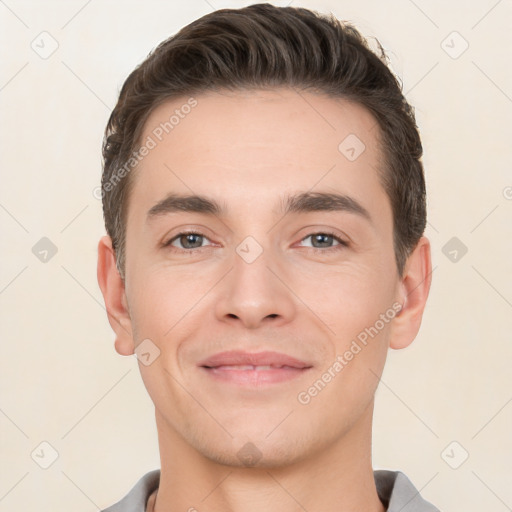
(398,493)
(135,500)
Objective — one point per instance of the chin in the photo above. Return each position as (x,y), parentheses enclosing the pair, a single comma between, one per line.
(250,456)
(256,448)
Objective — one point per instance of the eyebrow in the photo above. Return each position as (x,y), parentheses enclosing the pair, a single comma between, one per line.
(304,202)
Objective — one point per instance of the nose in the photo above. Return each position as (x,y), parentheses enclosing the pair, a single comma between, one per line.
(255,293)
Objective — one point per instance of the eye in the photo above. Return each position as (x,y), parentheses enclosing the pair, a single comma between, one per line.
(187,240)
(324,241)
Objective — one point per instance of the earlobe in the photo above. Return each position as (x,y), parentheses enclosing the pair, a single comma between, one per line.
(113,290)
(414,290)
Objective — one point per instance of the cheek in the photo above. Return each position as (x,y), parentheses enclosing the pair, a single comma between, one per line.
(161,298)
(168,307)
(348,299)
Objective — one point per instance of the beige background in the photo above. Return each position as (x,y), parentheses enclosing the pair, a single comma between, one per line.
(62,381)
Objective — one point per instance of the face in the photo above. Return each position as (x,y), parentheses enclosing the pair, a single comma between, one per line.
(271,310)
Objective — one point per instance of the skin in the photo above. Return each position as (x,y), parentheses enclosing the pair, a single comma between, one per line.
(247,150)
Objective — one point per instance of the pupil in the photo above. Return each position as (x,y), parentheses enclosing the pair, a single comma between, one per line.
(324,237)
(190,239)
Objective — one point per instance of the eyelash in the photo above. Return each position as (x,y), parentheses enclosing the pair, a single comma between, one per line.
(342,243)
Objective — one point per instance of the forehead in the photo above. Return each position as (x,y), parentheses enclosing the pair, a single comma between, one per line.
(254,143)
(279,117)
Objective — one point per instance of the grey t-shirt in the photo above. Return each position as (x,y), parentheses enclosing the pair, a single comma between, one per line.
(395,490)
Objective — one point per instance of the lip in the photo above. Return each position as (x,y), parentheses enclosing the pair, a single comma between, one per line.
(267,358)
(255,369)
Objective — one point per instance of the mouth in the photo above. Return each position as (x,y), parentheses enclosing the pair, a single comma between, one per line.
(253,369)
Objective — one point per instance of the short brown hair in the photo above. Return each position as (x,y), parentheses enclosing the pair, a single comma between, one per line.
(264,46)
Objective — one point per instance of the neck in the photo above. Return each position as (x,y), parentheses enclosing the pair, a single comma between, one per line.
(337,479)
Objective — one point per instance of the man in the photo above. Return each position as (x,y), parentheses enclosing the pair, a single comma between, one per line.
(264,200)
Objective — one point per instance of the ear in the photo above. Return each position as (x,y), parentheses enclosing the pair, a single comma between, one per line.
(113,290)
(414,289)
